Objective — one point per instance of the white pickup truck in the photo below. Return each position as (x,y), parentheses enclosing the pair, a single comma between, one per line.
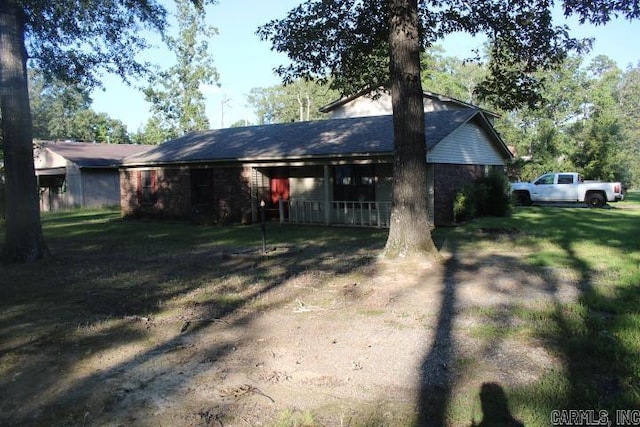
(566,187)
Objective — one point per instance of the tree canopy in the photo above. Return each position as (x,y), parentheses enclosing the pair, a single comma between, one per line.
(63,111)
(177,101)
(76,41)
(297,101)
(347,40)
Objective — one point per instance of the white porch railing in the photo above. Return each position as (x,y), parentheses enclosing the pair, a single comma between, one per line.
(356,214)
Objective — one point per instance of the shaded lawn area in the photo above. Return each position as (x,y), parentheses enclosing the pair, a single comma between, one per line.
(597,336)
(108,278)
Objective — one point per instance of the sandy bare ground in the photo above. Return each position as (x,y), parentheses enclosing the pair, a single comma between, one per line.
(343,339)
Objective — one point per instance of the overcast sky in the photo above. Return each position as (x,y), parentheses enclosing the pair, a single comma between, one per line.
(245,62)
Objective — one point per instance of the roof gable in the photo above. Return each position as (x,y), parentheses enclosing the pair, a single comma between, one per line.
(370,102)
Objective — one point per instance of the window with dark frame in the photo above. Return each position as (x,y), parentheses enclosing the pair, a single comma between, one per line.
(565,179)
(147,187)
(354,183)
(201,186)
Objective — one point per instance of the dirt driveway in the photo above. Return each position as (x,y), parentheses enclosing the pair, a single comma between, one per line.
(296,337)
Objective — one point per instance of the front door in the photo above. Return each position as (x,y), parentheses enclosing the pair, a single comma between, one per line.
(279,190)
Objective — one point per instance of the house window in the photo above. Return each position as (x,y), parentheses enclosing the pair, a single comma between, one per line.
(354,183)
(147,187)
(201,186)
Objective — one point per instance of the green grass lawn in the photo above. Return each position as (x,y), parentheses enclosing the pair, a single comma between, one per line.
(104,267)
(597,337)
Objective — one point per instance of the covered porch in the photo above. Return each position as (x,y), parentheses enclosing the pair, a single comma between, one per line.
(356,194)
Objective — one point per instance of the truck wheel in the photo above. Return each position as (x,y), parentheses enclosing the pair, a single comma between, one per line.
(522,198)
(595,200)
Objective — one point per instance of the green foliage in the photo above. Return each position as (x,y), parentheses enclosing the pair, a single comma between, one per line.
(628,93)
(489,196)
(588,124)
(176,98)
(153,133)
(61,111)
(452,76)
(498,195)
(298,101)
(464,206)
(73,41)
(348,41)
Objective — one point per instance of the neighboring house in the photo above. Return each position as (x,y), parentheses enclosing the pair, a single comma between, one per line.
(367,103)
(336,171)
(75,174)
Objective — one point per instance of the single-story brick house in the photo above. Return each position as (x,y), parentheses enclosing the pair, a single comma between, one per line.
(336,171)
(79,174)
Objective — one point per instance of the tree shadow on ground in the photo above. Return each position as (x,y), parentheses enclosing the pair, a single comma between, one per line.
(590,334)
(597,337)
(442,371)
(58,315)
(437,379)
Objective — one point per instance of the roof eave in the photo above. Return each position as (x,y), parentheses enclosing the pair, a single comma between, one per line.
(256,160)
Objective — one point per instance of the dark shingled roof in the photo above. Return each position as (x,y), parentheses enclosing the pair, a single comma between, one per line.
(90,155)
(298,140)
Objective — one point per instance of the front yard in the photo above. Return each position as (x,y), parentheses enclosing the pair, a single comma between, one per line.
(151,323)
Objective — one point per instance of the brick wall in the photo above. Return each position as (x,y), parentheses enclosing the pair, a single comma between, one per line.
(448,179)
(232,195)
(172,193)
(230,199)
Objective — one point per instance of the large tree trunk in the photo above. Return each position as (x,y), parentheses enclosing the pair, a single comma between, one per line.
(410,232)
(23,238)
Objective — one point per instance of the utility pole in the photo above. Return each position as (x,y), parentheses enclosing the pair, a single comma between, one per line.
(223,102)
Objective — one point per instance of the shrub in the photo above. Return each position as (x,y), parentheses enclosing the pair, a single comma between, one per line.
(490,196)
(497,195)
(463,205)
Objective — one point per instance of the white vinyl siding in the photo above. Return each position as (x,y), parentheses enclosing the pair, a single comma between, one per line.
(306,188)
(366,106)
(101,187)
(306,183)
(467,145)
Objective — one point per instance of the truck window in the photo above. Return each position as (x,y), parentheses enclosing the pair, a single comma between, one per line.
(565,179)
(545,179)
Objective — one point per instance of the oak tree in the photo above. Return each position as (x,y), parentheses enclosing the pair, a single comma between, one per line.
(361,44)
